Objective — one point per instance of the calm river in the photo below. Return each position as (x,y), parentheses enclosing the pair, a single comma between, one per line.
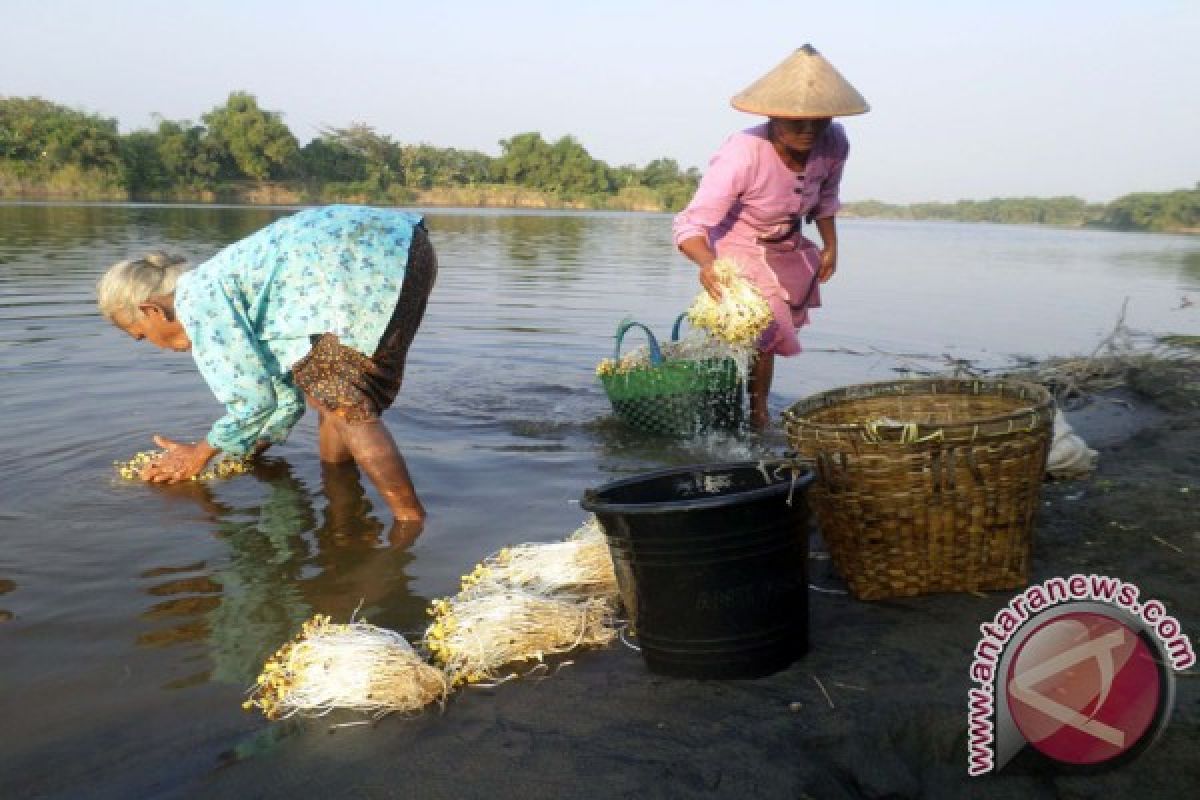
(133,618)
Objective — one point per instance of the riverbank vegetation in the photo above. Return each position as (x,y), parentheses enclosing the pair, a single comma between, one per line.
(241,153)
(1177,212)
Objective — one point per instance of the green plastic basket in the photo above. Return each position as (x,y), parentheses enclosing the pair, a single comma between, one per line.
(674,398)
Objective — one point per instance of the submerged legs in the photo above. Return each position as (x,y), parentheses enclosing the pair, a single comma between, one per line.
(330,446)
(374,450)
(761,374)
(370,445)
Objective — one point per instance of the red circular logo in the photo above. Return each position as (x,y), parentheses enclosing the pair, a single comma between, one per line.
(1084,688)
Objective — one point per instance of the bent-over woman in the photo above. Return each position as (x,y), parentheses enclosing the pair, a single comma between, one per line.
(761,187)
(320,305)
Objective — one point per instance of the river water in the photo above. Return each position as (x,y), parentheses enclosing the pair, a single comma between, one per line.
(132,618)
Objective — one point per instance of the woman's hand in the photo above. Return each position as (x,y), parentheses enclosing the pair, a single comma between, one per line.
(710,281)
(828,264)
(827,227)
(701,254)
(180,462)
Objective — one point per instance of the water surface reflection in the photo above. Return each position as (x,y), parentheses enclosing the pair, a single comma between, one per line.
(284,561)
(6,586)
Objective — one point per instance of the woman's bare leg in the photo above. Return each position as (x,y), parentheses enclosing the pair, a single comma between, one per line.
(330,447)
(371,445)
(761,374)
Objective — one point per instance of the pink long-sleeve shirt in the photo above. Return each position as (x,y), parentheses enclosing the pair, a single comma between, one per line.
(748,194)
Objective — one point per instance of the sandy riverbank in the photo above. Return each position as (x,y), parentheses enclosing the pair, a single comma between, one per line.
(893,724)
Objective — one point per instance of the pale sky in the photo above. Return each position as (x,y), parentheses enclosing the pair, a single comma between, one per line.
(970,99)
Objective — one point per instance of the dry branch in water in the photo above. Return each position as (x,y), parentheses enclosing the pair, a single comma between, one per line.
(1070,379)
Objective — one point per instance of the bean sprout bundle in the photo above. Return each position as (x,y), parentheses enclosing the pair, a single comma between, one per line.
(740,316)
(696,345)
(519,605)
(578,567)
(475,634)
(225,468)
(357,666)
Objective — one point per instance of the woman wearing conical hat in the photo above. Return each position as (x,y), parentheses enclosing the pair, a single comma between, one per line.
(761,187)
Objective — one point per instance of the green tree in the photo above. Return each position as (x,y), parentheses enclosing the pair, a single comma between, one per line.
(424,166)
(660,172)
(44,145)
(327,159)
(191,159)
(144,170)
(1157,211)
(626,176)
(35,130)
(380,156)
(673,186)
(577,170)
(523,159)
(563,167)
(257,142)
(1070,211)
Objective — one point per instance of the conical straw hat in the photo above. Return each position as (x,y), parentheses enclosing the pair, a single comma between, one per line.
(803,86)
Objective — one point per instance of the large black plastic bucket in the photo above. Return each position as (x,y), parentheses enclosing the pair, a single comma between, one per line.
(712,561)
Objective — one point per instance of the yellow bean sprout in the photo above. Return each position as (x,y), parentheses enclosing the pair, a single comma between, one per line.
(578,567)
(475,634)
(356,666)
(519,605)
(225,468)
(740,316)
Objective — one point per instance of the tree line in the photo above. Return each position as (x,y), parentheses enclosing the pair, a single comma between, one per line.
(1177,211)
(50,150)
(50,147)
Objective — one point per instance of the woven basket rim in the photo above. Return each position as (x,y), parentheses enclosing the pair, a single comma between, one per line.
(1041,403)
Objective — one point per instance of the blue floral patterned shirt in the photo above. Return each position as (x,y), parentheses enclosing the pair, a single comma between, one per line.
(250,309)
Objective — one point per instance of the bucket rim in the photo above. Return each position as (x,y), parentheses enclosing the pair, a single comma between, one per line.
(591,501)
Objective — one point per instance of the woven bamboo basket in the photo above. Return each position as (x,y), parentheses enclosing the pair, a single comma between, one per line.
(926,485)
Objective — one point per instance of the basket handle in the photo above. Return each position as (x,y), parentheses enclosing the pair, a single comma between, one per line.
(656,356)
(675,328)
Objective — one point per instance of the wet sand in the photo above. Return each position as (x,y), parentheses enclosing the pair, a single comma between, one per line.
(877,709)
